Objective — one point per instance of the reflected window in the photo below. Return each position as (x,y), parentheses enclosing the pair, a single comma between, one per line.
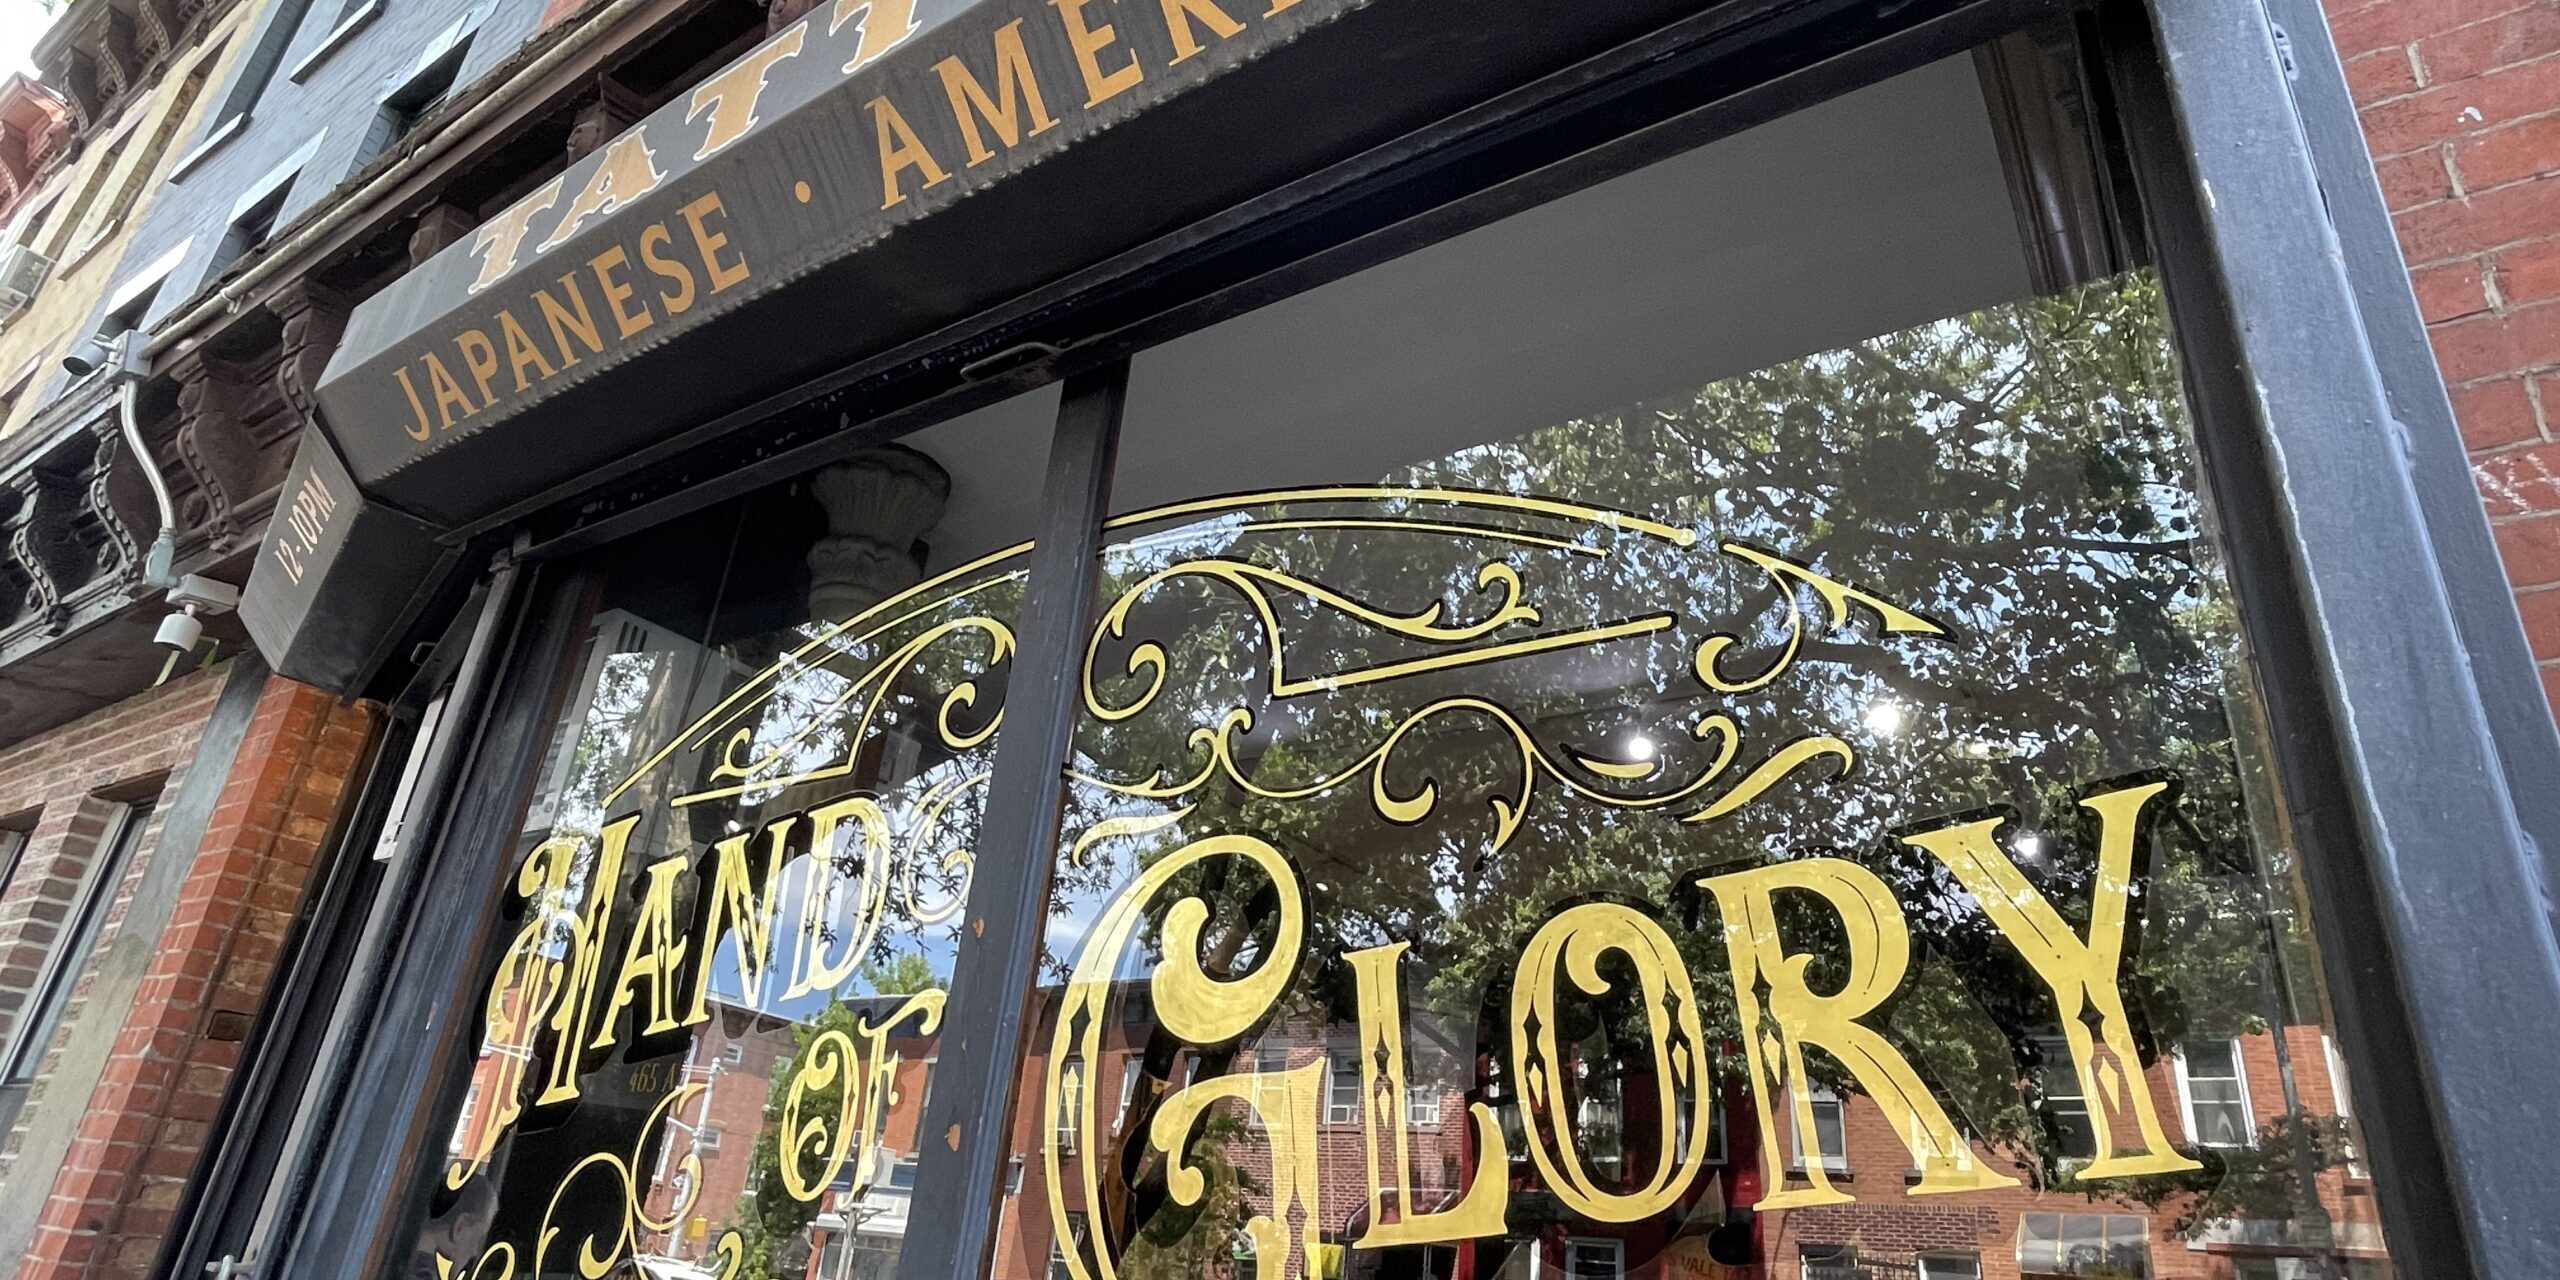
(1948,1266)
(1587,1258)
(2058,1079)
(1342,1085)
(2216,1094)
(2092,1246)
(1829,1130)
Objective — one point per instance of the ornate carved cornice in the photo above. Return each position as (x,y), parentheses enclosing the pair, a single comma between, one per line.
(217,452)
(314,318)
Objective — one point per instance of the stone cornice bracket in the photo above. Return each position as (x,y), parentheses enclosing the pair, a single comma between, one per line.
(213,446)
(119,498)
(119,64)
(44,545)
(439,228)
(877,505)
(315,318)
(160,26)
(615,109)
(78,81)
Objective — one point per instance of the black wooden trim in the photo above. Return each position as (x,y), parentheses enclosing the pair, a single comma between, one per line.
(438,907)
(968,1126)
(2435,936)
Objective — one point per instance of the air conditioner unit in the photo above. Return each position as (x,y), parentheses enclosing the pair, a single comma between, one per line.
(22,272)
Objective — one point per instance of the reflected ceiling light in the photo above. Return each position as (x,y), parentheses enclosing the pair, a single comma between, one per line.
(1884,717)
(1639,747)
(2030,848)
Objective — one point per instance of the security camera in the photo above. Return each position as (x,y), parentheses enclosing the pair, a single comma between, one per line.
(194,595)
(119,354)
(84,358)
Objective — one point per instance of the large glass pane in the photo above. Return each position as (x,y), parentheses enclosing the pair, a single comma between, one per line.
(733,908)
(1694,732)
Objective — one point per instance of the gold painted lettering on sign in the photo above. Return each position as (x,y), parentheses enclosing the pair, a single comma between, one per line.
(1570,946)
(1289,1103)
(500,239)
(741,903)
(1017,95)
(2082,973)
(585,959)
(627,171)
(651,953)
(1782,1016)
(900,150)
(1388,1140)
(1087,41)
(883,24)
(730,97)
(1179,15)
(862,1073)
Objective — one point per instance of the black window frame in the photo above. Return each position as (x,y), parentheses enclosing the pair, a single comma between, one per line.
(2356,541)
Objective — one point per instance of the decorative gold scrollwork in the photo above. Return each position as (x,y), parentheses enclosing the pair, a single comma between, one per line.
(598,1249)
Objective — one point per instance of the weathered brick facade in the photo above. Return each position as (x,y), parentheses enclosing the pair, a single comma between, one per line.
(174,1041)
(2461,107)
(52,788)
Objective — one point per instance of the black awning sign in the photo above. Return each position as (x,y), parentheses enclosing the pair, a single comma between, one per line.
(862,117)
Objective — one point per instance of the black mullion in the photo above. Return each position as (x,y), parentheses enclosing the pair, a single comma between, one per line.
(2411,848)
(967,1130)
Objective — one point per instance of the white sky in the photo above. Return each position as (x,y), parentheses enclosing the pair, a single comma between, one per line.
(21,21)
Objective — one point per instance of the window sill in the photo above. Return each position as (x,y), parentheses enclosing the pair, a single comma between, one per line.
(207,145)
(89,244)
(1835,1172)
(338,36)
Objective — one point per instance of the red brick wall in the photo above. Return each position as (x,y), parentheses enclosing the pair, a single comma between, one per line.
(2461,107)
(54,781)
(145,1118)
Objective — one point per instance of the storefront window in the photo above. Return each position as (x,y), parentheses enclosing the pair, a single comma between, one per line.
(1697,731)
(735,902)
(1733,641)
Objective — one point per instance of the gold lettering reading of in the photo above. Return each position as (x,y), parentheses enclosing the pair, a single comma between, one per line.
(1781,1014)
(864,1074)
(1016,87)
(2081,973)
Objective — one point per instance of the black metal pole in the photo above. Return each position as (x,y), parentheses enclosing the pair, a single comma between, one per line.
(968,1125)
